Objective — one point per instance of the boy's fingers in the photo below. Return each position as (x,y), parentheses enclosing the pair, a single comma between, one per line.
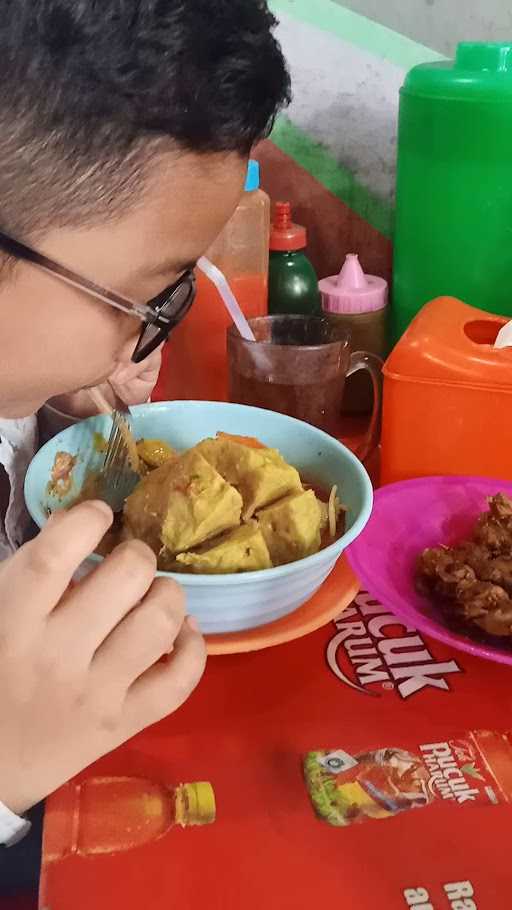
(92,609)
(164,687)
(130,372)
(147,633)
(38,575)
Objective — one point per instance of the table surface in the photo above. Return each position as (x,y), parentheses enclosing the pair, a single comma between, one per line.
(352,686)
(246,730)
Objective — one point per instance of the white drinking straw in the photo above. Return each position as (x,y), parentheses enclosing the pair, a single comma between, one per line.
(230,302)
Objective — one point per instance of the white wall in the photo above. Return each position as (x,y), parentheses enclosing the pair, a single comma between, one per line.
(440,24)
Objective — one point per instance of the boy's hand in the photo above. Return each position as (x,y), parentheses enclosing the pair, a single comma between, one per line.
(78,666)
(133,383)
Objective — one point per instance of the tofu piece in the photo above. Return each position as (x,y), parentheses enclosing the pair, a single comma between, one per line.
(154,453)
(243,550)
(261,475)
(182,504)
(291,527)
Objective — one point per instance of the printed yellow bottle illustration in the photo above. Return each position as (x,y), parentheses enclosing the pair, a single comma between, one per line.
(105,815)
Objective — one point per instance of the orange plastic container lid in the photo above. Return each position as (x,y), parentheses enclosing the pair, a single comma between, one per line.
(451,343)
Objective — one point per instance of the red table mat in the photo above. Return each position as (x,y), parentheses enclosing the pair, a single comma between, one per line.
(383,701)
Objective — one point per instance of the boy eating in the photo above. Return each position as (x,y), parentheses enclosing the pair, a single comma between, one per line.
(126,126)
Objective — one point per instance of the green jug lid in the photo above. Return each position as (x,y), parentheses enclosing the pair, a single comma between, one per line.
(481,71)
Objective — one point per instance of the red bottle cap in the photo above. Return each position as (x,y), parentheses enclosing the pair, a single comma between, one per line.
(284,235)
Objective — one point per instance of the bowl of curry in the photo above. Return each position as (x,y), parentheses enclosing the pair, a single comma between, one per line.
(249,510)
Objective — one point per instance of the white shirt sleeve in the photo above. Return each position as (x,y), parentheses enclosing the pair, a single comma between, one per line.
(18,444)
(12,827)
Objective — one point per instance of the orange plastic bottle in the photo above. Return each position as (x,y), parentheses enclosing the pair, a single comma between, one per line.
(108,815)
(194,362)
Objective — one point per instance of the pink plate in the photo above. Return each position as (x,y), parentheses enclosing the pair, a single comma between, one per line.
(406,518)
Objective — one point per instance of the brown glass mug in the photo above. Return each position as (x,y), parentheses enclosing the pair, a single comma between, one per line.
(298,366)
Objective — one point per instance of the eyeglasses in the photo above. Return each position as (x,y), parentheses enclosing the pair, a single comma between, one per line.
(159,315)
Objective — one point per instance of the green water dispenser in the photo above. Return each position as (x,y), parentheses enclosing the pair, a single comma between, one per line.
(453,231)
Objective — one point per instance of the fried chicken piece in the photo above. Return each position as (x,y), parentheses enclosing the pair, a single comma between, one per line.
(494,529)
(500,507)
(496,569)
(486,605)
(442,571)
(473,581)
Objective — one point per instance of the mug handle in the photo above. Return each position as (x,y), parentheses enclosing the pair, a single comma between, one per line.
(363,360)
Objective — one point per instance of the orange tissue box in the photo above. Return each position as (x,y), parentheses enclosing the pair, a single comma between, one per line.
(448,396)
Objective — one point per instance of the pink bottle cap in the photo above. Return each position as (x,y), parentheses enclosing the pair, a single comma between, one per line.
(352,291)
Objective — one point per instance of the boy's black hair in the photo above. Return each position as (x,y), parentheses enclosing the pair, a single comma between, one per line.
(91,91)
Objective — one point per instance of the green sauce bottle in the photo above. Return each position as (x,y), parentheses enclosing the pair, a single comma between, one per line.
(292,280)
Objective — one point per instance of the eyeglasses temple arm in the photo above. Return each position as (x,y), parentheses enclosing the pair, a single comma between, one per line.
(125,304)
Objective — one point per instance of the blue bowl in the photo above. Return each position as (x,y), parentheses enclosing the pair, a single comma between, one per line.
(226,603)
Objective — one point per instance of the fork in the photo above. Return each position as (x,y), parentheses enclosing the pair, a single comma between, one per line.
(119,474)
